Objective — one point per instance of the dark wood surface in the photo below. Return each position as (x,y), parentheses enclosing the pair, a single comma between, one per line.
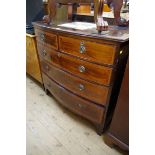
(94,52)
(48,54)
(95,73)
(76,104)
(118,133)
(100,70)
(114,34)
(48,39)
(90,91)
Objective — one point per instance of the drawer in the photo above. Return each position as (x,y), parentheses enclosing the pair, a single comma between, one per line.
(93,92)
(47,38)
(85,70)
(48,54)
(74,103)
(88,50)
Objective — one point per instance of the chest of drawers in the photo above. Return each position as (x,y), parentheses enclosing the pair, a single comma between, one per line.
(82,72)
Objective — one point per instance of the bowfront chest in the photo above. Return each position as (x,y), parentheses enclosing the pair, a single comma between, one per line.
(82,71)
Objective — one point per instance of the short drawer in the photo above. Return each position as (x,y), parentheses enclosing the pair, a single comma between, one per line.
(47,38)
(48,54)
(88,50)
(76,104)
(85,70)
(88,90)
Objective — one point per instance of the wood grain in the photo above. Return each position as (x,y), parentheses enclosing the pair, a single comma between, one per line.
(78,105)
(100,66)
(93,72)
(48,39)
(93,92)
(94,52)
(84,8)
(32,60)
(53,129)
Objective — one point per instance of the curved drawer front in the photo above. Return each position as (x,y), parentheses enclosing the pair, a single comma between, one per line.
(93,92)
(49,39)
(76,104)
(86,70)
(87,50)
(48,54)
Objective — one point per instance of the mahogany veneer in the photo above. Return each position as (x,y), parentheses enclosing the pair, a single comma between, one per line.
(77,85)
(83,72)
(94,52)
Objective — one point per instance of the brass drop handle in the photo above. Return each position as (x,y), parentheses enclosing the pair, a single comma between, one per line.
(82,48)
(42,36)
(120,52)
(44,52)
(81,87)
(82,69)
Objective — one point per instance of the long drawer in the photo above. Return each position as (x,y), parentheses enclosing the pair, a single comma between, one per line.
(87,50)
(93,92)
(46,38)
(85,70)
(76,104)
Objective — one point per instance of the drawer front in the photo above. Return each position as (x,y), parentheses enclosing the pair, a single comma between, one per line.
(87,50)
(93,92)
(85,70)
(88,71)
(48,54)
(47,38)
(76,104)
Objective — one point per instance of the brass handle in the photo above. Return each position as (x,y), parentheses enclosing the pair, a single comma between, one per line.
(82,69)
(44,53)
(120,52)
(81,87)
(82,48)
(42,36)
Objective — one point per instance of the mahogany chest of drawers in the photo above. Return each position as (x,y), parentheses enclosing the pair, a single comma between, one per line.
(82,72)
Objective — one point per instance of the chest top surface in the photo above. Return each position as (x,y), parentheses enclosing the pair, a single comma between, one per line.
(114,33)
